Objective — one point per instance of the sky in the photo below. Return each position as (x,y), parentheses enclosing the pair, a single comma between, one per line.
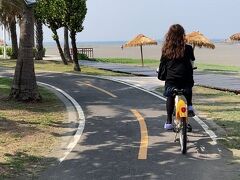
(121,20)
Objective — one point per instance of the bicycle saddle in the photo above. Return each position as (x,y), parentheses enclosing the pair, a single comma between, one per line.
(179,91)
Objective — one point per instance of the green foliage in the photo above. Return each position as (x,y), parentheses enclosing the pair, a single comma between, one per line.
(75,14)
(35,51)
(59,13)
(51,13)
(82,56)
(8,51)
(1,50)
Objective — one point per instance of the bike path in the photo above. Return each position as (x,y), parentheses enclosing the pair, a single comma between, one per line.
(110,144)
(215,80)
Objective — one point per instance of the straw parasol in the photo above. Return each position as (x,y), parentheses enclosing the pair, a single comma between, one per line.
(198,39)
(235,37)
(141,40)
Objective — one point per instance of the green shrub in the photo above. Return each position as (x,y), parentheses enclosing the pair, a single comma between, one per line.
(82,56)
(9,52)
(1,50)
(35,51)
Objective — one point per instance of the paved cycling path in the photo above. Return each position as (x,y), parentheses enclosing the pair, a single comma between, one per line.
(215,80)
(124,137)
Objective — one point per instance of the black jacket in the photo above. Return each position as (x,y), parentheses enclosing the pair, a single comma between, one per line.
(180,71)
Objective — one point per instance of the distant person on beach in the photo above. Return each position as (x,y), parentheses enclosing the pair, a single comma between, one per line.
(177,57)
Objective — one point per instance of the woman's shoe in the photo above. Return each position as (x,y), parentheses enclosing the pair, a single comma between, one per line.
(168,126)
(189,128)
(191,113)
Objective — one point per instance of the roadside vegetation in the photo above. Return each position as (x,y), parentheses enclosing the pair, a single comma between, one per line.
(221,107)
(58,66)
(28,132)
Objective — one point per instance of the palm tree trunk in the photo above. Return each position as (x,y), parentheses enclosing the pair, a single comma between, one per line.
(74,48)
(66,46)
(39,40)
(13,32)
(56,38)
(24,87)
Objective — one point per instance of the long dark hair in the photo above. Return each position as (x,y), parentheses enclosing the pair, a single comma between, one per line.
(174,45)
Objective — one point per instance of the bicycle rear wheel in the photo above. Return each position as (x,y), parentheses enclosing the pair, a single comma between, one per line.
(183,136)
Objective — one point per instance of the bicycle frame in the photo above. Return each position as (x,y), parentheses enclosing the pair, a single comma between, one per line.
(181,121)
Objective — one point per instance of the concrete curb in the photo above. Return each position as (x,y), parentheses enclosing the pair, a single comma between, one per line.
(75,119)
(76,123)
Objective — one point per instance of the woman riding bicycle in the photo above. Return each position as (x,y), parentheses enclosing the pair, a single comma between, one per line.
(177,58)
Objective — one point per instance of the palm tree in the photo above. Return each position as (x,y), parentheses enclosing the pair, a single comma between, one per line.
(8,16)
(24,87)
(13,32)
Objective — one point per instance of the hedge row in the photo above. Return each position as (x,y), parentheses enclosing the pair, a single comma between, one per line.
(10,53)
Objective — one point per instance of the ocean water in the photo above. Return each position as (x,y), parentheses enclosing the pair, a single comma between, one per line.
(91,43)
(112,43)
(225,53)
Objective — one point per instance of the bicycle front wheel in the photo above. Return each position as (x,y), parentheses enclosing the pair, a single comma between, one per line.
(183,136)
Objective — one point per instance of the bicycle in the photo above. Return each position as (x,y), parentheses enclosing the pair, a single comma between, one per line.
(181,118)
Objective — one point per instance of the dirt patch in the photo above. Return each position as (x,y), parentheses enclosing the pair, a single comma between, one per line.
(28,133)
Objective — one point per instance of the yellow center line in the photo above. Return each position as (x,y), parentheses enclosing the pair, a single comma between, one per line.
(142,154)
(100,89)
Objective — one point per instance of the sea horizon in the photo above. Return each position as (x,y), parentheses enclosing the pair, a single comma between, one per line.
(111,43)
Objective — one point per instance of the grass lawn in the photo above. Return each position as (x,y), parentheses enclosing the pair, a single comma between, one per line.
(59,67)
(28,132)
(223,108)
(147,62)
(155,63)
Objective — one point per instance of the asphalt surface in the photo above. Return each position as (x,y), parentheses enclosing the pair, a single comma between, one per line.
(220,80)
(110,144)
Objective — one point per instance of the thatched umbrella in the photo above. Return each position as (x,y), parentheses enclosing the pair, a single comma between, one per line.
(235,37)
(140,40)
(1,42)
(198,39)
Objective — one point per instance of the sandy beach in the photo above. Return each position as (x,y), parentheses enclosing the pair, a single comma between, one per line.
(224,53)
